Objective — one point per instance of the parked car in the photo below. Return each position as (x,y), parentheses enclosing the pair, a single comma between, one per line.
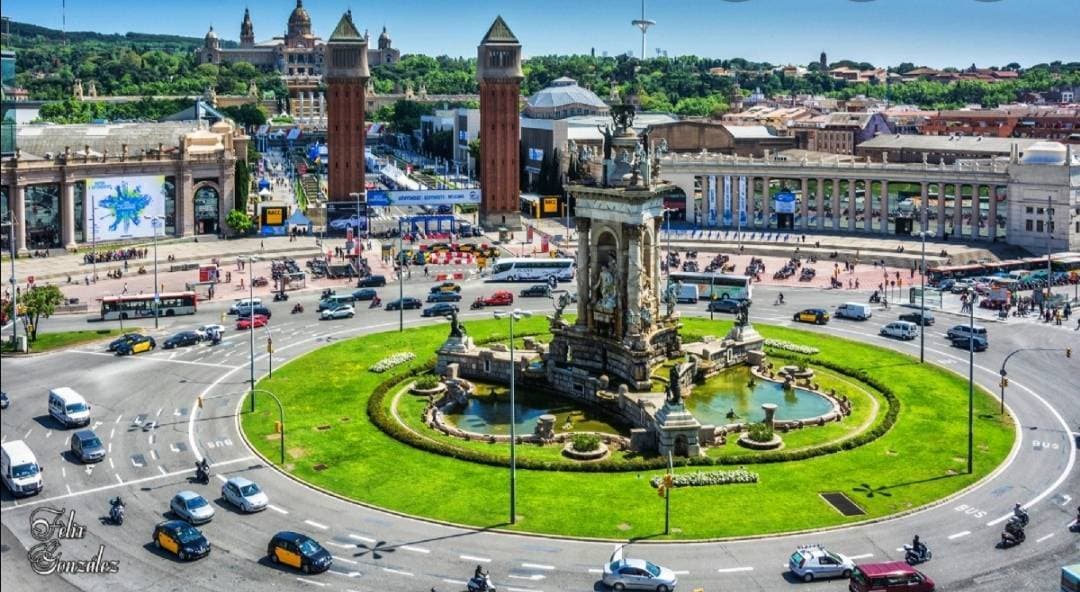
(244,494)
(298,551)
(818,316)
(125,338)
(978,343)
(444,297)
(438,310)
(964,331)
(407,302)
(919,318)
(900,330)
(812,562)
(181,539)
(724,305)
(86,446)
(364,294)
(192,507)
(372,281)
(181,339)
(136,345)
(536,291)
(341,312)
(247,323)
(626,574)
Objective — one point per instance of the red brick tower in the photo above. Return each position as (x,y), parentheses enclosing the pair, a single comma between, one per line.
(346,76)
(498,68)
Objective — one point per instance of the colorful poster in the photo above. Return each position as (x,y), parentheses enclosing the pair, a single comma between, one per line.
(125,207)
(742,201)
(727,200)
(712,201)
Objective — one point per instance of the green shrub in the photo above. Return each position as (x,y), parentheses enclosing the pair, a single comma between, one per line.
(759,432)
(585,442)
(426,382)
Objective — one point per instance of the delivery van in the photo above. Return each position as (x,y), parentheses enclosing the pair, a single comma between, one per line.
(853,310)
(20,471)
(68,407)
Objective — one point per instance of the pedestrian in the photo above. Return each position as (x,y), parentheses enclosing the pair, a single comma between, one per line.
(261,245)
(1057,317)
(241,283)
(125,288)
(1068,310)
(856,283)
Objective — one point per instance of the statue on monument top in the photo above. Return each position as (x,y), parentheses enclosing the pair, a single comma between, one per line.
(742,315)
(608,135)
(456,328)
(623,117)
(674,390)
(671,296)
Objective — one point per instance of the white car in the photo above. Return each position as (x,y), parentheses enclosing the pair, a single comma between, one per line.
(341,312)
(204,330)
(900,330)
(628,574)
(244,494)
(811,562)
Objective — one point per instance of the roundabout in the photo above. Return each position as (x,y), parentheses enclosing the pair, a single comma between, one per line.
(381,454)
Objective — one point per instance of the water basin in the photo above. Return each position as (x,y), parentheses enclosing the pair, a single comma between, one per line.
(730,390)
(489,412)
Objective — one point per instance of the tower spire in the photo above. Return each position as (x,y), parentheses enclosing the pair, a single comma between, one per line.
(643,24)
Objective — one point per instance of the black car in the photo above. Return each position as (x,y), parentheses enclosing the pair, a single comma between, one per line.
(444,297)
(364,294)
(724,305)
(372,281)
(406,302)
(259,310)
(536,291)
(299,551)
(181,339)
(4,401)
(438,310)
(181,539)
(919,318)
(125,338)
(980,343)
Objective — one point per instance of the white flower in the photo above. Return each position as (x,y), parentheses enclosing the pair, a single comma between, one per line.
(709,478)
(395,360)
(792,347)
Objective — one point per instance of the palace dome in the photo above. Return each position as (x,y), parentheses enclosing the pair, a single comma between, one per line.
(299,21)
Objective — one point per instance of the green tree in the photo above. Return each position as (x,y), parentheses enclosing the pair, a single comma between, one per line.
(242,179)
(239,221)
(474,152)
(38,302)
(249,115)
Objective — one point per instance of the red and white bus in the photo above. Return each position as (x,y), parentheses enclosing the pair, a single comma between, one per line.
(142,305)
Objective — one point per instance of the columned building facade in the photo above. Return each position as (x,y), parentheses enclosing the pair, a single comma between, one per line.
(498,69)
(346,76)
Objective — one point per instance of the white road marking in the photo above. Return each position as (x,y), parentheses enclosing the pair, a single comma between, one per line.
(277,509)
(112,433)
(863,556)
(362,538)
(119,479)
(154,454)
(27,434)
(158,414)
(531,578)
(959,534)
(118,418)
(312,582)
(111,465)
(314,524)
(734,569)
(682,572)
(475,558)
(397,571)
(346,574)
(538,566)
(594,570)
(110,447)
(1041,539)
(68,489)
(340,545)
(161,469)
(63,472)
(455,582)
(414,549)
(336,558)
(221,478)
(509,589)
(151,440)
(48,433)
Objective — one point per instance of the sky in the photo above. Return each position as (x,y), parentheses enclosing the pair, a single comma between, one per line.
(934,33)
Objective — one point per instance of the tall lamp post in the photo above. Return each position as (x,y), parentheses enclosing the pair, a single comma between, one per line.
(10,223)
(922,302)
(971,383)
(516,315)
(155,221)
(401,284)
(251,327)
(1049,239)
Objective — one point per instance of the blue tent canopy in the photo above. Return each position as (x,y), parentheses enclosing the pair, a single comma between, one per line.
(298,219)
(264,183)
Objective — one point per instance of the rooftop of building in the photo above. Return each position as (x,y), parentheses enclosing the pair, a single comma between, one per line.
(42,139)
(968,144)
(563,92)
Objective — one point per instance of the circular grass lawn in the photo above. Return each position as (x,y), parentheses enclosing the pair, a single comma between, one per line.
(332,444)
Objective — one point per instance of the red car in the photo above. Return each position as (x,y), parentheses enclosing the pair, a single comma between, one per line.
(500,298)
(246,322)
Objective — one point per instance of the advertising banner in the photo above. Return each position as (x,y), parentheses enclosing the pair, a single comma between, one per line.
(727,200)
(437,197)
(784,203)
(712,201)
(551,205)
(124,207)
(742,201)
(274,216)
(342,215)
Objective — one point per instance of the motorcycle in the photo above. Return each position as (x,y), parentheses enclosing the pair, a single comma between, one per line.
(326,293)
(1013,534)
(202,473)
(280,296)
(376,302)
(1020,515)
(116,512)
(481,584)
(260,282)
(875,298)
(297,308)
(912,556)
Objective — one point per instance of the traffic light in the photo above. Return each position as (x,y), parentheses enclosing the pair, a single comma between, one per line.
(1004,382)
(199,401)
(1068,352)
(269,345)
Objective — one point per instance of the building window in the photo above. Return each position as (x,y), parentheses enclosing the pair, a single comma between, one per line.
(80,209)
(1029,210)
(1039,226)
(170,205)
(43,216)
(1028,225)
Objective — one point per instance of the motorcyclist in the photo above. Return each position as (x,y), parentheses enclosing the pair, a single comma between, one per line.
(780,298)
(116,509)
(375,302)
(1014,533)
(480,574)
(918,547)
(1020,514)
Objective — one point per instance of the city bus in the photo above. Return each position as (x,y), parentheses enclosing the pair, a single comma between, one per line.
(518,269)
(717,286)
(142,305)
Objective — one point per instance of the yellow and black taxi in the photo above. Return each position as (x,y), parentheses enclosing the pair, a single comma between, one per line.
(299,551)
(446,287)
(137,344)
(817,316)
(181,539)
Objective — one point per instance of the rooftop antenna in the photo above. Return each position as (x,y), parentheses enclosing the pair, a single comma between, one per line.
(643,24)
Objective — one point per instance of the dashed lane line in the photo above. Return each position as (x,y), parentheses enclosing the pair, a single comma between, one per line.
(27,434)
(63,472)
(118,478)
(111,465)
(511,589)
(45,500)
(314,524)
(413,549)
(340,545)
(48,433)
(734,569)
(955,536)
(112,433)
(398,572)
(475,558)
(863,556)
(1043,538)
(531,577)
(344,560)
(162,470)
(118,418)
(312,582)
(362,538)
(455,582)
(538,566)
(277,509)
(221,478)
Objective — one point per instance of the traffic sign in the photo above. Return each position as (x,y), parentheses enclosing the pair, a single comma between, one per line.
(30,279)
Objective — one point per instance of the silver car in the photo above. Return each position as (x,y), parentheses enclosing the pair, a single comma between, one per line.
(626,574)
(812,562)
(190,506)
(341,312)
(244,494)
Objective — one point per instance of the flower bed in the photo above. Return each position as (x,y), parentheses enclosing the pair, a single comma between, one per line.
(702,478)
(791,347)
(395,360)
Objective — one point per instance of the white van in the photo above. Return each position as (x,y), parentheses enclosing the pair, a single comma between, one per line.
(688,294)
(854,310)
(244,303)
(901,330)
(20,471)
(68,407)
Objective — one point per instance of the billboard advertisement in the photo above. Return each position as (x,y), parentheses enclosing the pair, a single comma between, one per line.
(727,200)
(342,215)
(742,201)
(437,197)
(784,203)
(124,207)
(274,216)
(712,201)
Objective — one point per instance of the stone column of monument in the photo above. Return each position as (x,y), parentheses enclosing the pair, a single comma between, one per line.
(633,276)
(804,210)
(941,210)
(766,202)
(67,210)
(583,247)
(19,198)
(958,211)
(924,214)
(836,204)
(991,222)
(346,77)
(498,69)
(884,213)
(851,206)
(819,201)
(868,206)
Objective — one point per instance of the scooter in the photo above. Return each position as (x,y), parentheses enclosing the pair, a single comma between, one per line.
(202,473)
(297,308)
(116,512)
(481,584)
(1013,534)
(912,556)
(280,296)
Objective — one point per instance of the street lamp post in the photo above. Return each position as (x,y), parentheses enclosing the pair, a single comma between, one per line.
(516,315)
(14,283)
(401,285)
(154,221)
(971,383)
(251,328)
(1049,238)
(922,302)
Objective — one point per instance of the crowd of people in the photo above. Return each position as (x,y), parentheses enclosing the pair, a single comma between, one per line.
(114,255)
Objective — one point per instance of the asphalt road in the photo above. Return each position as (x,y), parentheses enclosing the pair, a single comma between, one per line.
(144,410)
